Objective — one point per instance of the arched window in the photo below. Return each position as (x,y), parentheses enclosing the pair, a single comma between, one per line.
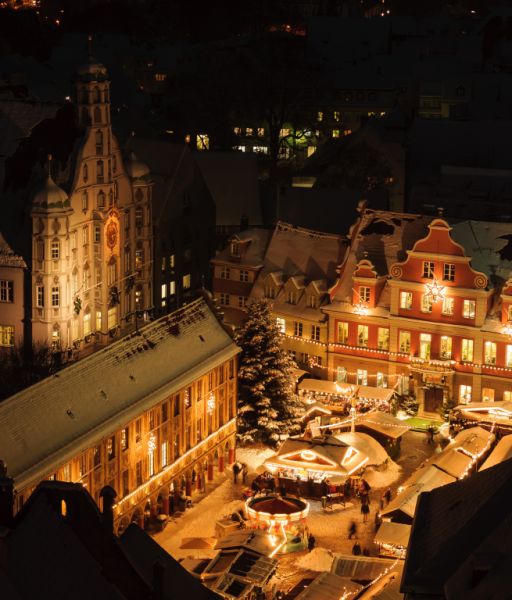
(85,201)
(100,174)
(114,163)
(96,97)
(74,281)
(87,322)
(101,199)
(111,272)
(97,115)
(56,337)
(85,173)
(139,195)
(86,278)
(99,142)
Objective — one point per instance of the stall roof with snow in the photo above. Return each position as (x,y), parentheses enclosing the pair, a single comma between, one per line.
(360,568)
(394,534)
(258,541)
(329,586)
(502,452)
(325,453)
(366,445)
(430,476)
(382,423)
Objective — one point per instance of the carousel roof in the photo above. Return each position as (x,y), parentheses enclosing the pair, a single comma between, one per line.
(276,505)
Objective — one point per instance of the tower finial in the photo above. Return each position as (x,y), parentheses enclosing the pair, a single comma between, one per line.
(89,45)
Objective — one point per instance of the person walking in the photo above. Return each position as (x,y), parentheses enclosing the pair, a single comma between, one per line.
(236,470)
(352,530)
(245,471)
(356,549)
(311,542)
(365,511)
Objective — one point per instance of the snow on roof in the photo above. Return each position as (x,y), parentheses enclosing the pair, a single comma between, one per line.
(384,423)
(430,476)
(365,444)
(255,243)
(453,462)
(8,258)
(296,251)
(503,451)
(396,534)
(49,423)
(328,586)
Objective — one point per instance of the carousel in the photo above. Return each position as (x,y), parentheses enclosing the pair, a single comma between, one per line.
(284,518)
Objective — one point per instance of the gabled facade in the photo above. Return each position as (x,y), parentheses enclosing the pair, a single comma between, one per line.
(428,324)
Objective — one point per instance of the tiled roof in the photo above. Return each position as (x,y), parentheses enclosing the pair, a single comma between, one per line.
(453,522)
(49,423)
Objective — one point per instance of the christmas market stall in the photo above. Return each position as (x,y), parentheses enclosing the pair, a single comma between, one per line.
(392,539)
(495,415)
(502,451)
(340,397)
(302,465)
(284,519)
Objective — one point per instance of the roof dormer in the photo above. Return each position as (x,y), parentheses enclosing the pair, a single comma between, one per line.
(272,284)
(367,284)
(294,288)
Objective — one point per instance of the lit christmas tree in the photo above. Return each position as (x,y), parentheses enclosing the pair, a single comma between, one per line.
(268,406)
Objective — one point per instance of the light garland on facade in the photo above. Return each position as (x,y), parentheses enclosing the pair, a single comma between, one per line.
(210,403)
(173,466)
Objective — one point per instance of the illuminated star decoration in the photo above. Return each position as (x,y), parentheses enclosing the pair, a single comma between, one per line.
(361,309)
(435,291)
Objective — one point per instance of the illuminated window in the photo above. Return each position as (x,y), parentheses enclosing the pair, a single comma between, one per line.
(297,328)
(449,272)
(125,439)
(163,290)
(336,116)
(291,297)
(164,454)
(448,306)
(426,303)
(6,336)
(509,356)
(172,288)
(428,269)
(507,395)
(138,430)
(382,380)
(362,335)
(425,345)
(237,130)
(341,374)
(487,395)
(281,325)
(362,377)
(467,350)
(55,249)
(335,133)
(40,296)
(87,323)
(97,234)
(319,116)
(468,309)
(445,347)
(490,353)
(186,281)
(406,300)
(85,235)
(7,291)
(111,447)
(464,394)
(315,332)
(203,141)
(98,320)
(509,312)
(383,338)
(364,293)
(248,131)
(112,317)
(404,341)
(55,296)
(160,76)
(284,133)
(342,332)
(261,132)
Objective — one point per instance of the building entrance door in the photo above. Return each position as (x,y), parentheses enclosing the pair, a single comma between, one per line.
(433,399)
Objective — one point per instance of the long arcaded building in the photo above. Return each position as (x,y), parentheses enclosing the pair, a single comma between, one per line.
(149,415)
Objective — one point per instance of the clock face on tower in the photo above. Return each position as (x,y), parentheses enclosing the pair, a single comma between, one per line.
(111,235)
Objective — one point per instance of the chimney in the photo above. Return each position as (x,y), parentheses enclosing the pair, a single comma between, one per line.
(158,581)
(109,495)
(6,497)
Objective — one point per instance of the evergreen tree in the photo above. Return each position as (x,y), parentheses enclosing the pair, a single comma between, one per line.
(267,406)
